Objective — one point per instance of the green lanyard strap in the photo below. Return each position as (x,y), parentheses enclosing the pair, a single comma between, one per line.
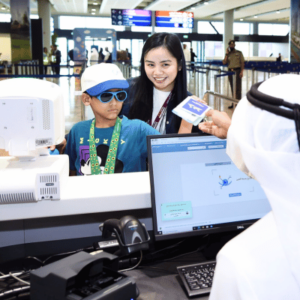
(112,152)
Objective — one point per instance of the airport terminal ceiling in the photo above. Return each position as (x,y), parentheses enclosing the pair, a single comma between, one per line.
(244,10)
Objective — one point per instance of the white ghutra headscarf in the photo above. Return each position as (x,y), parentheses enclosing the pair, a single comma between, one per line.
(265,146)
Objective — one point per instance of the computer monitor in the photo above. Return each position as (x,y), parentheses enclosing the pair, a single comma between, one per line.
(31,116)
(31,119)
(196,188)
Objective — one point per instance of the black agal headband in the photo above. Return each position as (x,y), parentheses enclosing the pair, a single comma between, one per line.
(273,105)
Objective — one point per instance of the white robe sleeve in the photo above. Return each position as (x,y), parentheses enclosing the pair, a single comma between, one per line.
(229,282)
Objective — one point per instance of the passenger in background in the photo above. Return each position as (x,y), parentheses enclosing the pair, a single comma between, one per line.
(279,58)
(55,59)
(129,57)
(193,55)
(187,54)
(108,57)
(46,60)
(71,54)
(129,61)
(161,86)
(101,55)
(94,57)
(263,262)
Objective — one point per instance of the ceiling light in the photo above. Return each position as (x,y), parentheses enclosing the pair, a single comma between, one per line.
(3,7)
(205,3)
(95,3)
(93,9)
(255,17)
(93,13)
(193,7)
(241,19)
(277,12)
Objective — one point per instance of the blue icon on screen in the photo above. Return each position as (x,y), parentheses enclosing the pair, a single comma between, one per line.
(224,182)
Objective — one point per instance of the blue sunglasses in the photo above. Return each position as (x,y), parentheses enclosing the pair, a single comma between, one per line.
(106,97)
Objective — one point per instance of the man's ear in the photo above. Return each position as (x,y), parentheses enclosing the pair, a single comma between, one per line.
(86,99)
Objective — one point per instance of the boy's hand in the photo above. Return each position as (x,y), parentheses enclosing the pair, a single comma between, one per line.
(218,126)
(60,147)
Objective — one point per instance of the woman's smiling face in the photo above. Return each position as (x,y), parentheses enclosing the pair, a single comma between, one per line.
(161,68)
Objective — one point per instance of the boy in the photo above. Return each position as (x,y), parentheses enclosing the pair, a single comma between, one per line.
(107,144)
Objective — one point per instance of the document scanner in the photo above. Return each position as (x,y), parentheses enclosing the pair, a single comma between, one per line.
(82,276)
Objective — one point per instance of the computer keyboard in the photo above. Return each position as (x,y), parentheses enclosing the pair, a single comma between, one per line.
(197,278)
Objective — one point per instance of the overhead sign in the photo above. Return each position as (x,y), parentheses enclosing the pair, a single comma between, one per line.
(131,17)
(178,19)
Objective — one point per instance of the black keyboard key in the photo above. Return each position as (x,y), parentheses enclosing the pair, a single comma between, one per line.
(197,278)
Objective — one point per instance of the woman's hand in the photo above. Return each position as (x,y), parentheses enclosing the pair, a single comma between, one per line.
(198,99)
(186,127)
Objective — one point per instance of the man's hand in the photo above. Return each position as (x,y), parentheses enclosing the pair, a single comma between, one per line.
(241,74)
(218,126)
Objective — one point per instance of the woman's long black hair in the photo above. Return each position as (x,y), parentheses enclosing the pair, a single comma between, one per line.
(143,99)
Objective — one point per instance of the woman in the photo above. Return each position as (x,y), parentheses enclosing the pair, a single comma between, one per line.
(161,86)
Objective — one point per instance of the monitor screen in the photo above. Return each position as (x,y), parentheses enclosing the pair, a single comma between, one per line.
(179,19)
(197,189)
(131,17)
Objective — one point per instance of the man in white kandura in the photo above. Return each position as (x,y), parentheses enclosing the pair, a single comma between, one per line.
(263,262)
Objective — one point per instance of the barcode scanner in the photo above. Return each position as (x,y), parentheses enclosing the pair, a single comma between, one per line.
(131,234)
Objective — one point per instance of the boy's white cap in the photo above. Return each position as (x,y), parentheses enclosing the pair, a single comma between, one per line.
(102,77)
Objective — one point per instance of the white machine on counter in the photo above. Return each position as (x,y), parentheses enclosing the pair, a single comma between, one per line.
(31,119)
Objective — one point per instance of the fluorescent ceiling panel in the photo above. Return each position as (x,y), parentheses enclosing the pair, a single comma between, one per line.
(172,5)
(107,5)
(70,6)
(218,6)
(283,16)
(261,8)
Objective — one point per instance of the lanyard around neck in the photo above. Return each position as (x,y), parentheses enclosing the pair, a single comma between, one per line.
(161,113)
(112,152)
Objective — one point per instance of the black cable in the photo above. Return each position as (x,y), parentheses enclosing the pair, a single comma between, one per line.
(156,268)
(66,253)
(169,247)
(184,254)
(134,267)
(42,262)
(35,258)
